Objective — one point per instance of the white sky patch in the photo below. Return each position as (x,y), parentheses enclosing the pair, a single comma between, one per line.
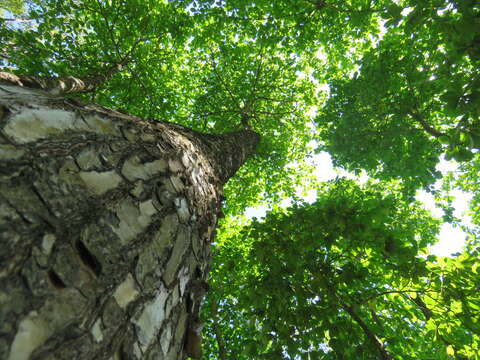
(321,54)
(312,111)
(451,238)
(258,212)
(324,170)
(407,11)
(323,88)
(381,34)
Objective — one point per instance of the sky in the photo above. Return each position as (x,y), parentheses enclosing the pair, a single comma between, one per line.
(451,239)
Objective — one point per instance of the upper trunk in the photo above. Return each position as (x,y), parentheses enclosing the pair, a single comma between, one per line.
(105,228)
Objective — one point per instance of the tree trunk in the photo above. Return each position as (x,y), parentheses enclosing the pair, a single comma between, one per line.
(106,222)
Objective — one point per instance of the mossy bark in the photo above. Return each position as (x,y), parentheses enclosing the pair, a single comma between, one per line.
(106,222)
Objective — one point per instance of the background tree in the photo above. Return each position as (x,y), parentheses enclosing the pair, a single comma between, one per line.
(343,277)
(422,98)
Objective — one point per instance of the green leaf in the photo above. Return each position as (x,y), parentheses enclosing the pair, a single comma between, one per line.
(450,350)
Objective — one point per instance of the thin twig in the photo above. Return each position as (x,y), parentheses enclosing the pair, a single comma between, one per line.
(221,80)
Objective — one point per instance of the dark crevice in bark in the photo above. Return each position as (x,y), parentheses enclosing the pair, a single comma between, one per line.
(88,258)
(44,202)
(17,211)
(4,111)
(55,280)
(25,284)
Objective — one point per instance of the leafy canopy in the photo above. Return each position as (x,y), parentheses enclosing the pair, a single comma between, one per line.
(343,278)
(415,95)
(385,86)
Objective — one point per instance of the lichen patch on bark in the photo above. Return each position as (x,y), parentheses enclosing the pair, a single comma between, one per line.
(151,318)
(133,169)
(9,152)
(97,331)
(100,182)
(133,219)
(34,124)
(126,292)
(32,332)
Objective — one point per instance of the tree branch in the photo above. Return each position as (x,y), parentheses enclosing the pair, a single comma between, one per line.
(384,354)
(222,351)
(214,68)
(394,292)
(220,112)
(367,331)
(422,306)
(321,4)
(63,85)
(17,20)
(274,113)
(428,315)
(426,126)
(257,76)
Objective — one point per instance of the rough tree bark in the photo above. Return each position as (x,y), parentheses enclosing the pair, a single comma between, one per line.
(105,228)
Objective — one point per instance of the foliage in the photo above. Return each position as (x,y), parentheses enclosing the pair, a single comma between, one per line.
(343,279)
(422,99)
(393,84)
(13,6)
(468,181)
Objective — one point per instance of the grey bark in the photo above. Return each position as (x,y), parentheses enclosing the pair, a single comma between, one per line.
(106,222)
(64,85)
